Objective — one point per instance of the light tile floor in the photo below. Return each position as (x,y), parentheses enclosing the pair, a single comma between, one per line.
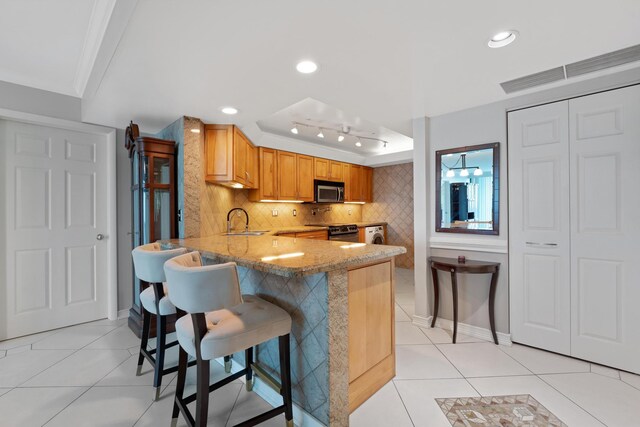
(85,376)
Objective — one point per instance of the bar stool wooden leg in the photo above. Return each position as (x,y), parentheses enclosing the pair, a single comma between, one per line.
(146,320)
(202,397)
(248,358)
(285,374)
(161,337)
(183,359)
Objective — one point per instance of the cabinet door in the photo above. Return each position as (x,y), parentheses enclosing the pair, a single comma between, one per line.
(321,168)
(604,138)
(268,178)
(252,165)
(355,174)
(287,173)
(539,233)
(371,317)
(346,176)
(305,178)
(367,184)
(335,171)
(240,146)
(218,152)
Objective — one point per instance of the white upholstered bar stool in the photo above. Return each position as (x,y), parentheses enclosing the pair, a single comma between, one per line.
(221,321)
(148,263)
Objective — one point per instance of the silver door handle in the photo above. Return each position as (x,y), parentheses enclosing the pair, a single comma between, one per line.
(546,245)
(99,237)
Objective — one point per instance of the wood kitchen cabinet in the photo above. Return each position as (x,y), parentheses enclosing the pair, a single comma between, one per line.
(315,235)
(295,176)
(328,170)
(346,176)
(360,184)
(371,330)
(230,158)
(367,185)
(268,176)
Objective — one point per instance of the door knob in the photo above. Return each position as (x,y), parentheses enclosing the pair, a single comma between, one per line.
(99,237)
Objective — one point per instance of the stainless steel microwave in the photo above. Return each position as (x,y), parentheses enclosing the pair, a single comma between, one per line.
(329,192)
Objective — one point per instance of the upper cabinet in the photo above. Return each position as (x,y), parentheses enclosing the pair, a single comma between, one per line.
(284,176)
(328,170)
(268,182)
(230,158)
(359,187)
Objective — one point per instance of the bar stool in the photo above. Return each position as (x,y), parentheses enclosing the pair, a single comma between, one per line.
(148,262)
(222,322)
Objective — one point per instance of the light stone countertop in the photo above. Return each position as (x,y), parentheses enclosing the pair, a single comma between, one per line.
(286,256)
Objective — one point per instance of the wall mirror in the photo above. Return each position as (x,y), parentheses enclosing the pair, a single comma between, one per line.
(467,189)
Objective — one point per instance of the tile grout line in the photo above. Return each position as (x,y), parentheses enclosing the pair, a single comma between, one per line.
(570,399)
(403,404)
(81,394)
(456,368)
(235,402)
(88,388)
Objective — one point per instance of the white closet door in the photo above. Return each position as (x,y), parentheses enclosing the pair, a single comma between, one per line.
(605,227)
(56,192)
(539,230)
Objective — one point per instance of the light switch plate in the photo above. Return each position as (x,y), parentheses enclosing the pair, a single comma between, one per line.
(295,212)
(274,212)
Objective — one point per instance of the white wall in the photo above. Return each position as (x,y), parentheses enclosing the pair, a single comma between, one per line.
(487,123)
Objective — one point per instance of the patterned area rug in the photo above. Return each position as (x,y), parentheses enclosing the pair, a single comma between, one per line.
(498,411)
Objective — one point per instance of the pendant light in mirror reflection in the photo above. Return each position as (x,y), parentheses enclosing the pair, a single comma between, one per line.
(467,189)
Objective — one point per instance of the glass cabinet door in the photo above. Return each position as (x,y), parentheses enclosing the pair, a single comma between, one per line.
(161,170)
(162,214)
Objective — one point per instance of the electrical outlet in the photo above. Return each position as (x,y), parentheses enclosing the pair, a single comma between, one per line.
(274,212)
(295,212)
(349,211)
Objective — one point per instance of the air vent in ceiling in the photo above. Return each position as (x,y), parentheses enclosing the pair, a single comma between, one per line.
(608,60)
(533,80)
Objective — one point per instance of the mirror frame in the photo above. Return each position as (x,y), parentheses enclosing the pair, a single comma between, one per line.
(496,189)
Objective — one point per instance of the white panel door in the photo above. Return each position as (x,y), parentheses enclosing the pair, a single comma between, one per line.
(55,192)
(539,231)
(605,228)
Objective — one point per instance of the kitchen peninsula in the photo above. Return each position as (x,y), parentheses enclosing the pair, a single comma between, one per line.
(340,296)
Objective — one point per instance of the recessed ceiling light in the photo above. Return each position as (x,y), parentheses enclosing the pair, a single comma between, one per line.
(306,67)
(195,130)
(502,38)
(229,110)
(340,138)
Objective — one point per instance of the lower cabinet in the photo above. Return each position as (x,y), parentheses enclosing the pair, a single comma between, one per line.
(316,235)
(371,330)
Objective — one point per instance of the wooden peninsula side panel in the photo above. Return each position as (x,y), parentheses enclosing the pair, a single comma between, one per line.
(372,361)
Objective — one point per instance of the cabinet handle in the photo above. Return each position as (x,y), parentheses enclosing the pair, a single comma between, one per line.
(545,245)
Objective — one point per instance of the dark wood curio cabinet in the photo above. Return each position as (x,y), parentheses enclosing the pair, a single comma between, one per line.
(153,203)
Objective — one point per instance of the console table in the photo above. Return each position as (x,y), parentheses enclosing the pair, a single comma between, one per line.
(469,267)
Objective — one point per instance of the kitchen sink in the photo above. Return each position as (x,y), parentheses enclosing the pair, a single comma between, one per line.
(246,233)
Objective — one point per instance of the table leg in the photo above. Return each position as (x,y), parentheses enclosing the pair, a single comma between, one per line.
(454,289)
(436,297)
(492,296)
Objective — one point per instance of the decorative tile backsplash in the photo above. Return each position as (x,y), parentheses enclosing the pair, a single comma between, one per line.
(393,203)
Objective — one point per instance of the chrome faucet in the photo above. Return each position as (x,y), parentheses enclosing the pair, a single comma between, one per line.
(246,227)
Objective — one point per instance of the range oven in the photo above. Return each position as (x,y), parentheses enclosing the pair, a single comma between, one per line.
(328,191)
(344,233)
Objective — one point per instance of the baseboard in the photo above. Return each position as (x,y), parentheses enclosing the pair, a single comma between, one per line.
(123,314)
(301,418)
(463,328)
